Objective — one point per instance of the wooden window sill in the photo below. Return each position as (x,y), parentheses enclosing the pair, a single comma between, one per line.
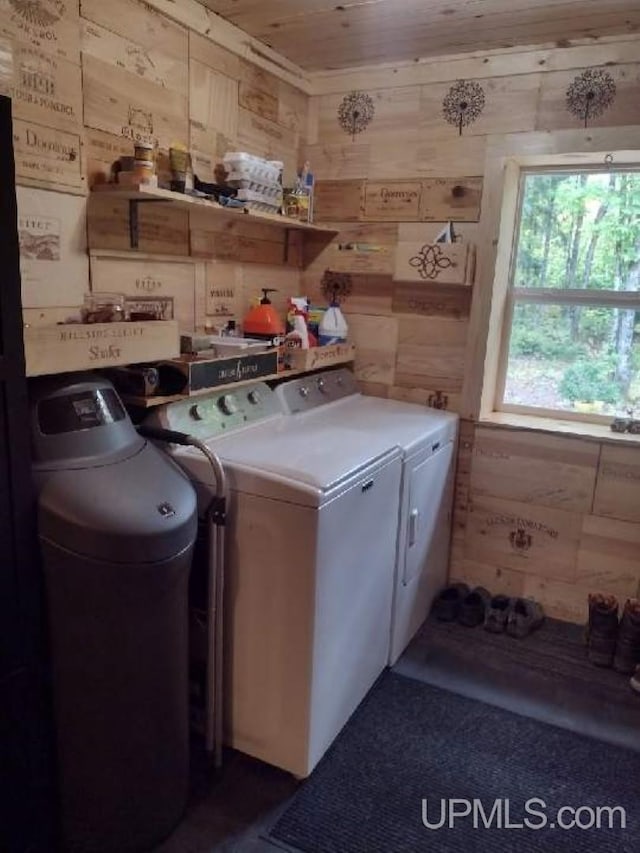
(579,429)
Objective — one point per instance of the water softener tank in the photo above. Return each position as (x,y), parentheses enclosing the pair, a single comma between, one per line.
(117,525)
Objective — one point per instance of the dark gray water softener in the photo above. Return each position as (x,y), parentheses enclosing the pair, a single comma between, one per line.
(117,525)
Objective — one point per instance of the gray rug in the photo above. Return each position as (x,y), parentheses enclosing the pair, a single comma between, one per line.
(409,741)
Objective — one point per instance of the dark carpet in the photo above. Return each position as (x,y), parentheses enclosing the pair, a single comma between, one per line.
(545,676)
(409,741)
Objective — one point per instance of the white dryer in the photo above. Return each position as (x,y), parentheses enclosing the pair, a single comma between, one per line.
(427,440)
(310,567)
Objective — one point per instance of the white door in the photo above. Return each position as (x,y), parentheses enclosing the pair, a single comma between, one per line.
(354,592)
(423,557)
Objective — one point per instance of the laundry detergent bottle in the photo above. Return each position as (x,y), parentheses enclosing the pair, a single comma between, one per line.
(333,327)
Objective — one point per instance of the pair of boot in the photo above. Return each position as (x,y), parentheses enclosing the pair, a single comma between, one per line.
(610,641)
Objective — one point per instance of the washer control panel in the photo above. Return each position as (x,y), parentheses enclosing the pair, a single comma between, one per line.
(219,412)
(310,392)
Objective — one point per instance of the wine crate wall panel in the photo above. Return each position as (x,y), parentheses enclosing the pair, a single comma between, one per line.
(46,90)
(535,468)
(48,26)
(535,540)
(608,555)
(161,229)
(416,200)
(122,104)
(149,278)
(53,251)
(577,499)
(47,157)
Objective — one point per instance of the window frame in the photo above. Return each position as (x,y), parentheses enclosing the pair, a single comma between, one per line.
(516,170)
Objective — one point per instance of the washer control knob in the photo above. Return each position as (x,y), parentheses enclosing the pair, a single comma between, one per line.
(254,397)
(304,391)
(228,404)
(194,413)
(322,386)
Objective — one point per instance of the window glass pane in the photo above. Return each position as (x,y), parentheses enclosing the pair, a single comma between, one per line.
(576,358)
(580,230)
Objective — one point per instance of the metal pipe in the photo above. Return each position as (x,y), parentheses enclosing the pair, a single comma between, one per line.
(216,514)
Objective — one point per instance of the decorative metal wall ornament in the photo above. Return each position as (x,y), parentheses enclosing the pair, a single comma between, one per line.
(336,285)
(356,112)
(520,540)
(591,93)
(463,103)
(430,261)
(438,400)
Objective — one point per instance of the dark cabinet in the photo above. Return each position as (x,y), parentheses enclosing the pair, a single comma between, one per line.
(25,772)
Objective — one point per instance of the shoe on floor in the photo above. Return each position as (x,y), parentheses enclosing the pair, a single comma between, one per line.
(497,614)
(627,654)
(635,680)
(447,603)
(524,617)
(602,629)
(473,608)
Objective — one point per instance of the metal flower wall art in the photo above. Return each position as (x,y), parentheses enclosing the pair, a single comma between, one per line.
(463,103)
(590,94)
(430,261)
(356,112)
(336,285)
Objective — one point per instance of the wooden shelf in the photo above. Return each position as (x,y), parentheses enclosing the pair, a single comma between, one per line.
(148,194)
(150,402)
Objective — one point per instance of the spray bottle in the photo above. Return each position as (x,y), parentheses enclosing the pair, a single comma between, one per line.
(333,327)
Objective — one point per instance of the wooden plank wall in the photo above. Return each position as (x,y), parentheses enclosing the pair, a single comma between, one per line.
(98,75)
(535,514)
(89,83)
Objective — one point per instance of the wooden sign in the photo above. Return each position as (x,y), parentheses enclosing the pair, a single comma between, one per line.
(58,349)
(535,468)
(223,295)
(372,258)
(417,200)
(444,263)
(149,278)
(318,357)
(451,199)
(338,201)
(45,156)
(211,373)
(394,201)
(533,539)
(49,25)
(429,299)
(53,252)
(45,89)
(618,483)
(123,104)
(258,102)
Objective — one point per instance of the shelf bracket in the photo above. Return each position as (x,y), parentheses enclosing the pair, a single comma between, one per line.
(287,235)
(134,222)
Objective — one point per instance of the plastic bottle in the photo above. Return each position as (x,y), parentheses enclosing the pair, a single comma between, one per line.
(333,327)
(299,331)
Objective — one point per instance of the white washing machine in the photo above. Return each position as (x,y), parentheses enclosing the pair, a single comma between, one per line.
(427,440)
(310,539)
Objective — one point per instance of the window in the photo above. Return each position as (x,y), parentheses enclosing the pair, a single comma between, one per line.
(571,336)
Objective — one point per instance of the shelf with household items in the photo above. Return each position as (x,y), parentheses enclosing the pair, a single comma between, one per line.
(247,369)
(146,194)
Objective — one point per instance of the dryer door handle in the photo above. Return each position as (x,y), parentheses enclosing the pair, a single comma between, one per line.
(414,515)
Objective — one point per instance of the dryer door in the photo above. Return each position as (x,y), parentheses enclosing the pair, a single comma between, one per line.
(428,516)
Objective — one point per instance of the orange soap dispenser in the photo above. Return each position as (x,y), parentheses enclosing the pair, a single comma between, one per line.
(263,321)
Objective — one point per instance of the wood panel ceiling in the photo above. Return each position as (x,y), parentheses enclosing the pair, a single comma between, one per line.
(321,35)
